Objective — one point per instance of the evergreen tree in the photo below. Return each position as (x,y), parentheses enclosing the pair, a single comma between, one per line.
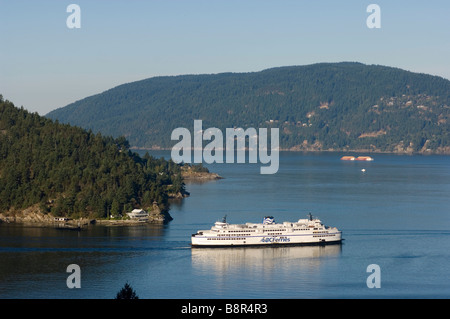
(68,171)
(127,292)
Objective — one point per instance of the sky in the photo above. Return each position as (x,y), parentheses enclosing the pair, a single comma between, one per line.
(45,65)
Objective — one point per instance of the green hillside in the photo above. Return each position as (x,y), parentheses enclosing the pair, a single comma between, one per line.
(326,106)
(67,171)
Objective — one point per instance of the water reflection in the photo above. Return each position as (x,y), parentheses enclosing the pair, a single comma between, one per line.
(220,260)
(40,255)
(252,272)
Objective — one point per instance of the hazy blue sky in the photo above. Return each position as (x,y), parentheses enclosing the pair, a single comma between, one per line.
(45,65)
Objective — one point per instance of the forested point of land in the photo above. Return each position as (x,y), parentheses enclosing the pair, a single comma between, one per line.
(68,171)
(325,106)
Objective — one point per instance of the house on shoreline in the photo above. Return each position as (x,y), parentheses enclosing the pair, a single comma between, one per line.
(138,214)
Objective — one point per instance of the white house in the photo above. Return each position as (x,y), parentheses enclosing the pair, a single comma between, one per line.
(138,214)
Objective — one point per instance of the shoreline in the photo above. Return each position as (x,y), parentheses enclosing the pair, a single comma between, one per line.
(79,224)
(32,216)
(98,223)
(200,176)
(445,151)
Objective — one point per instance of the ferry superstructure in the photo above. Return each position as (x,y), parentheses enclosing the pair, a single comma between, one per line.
(309,231)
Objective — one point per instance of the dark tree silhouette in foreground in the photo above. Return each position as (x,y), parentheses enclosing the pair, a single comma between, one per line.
(126,292)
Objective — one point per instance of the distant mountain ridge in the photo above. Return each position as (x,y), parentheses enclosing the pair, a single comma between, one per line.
(326,106)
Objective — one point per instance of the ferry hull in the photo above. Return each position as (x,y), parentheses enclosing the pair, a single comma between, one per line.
(268,245)
(294,240)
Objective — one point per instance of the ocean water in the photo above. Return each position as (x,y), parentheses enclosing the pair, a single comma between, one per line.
(395,214)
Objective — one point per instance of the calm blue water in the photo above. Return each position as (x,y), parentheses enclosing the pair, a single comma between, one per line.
(395,215)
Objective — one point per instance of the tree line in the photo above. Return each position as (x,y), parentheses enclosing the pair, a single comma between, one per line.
(337,105)
(69,171)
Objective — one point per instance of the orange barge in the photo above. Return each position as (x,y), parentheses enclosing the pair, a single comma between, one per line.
(359,158)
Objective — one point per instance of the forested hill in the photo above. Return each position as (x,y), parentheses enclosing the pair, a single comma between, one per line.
(68,171)
(326,106)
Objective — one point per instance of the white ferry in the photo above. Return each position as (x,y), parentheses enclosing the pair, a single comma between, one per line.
(309,231)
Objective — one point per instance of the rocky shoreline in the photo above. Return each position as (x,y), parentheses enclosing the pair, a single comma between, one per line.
(197,174)
(200,176)
(76,224)
(32,216)
(398,149)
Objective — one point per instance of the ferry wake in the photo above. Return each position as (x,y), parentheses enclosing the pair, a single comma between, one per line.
(309,231)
